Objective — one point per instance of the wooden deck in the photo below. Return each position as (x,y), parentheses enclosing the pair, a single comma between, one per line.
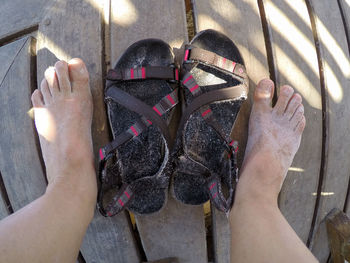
(304,43)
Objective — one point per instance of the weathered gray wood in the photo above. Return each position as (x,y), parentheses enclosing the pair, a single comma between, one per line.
(3,211)
(132,21)
(17,15)
(345,7)
(8,54)
(172,232)
(73,29)
(296,64)
(240,21)
(20,164)
(336,65)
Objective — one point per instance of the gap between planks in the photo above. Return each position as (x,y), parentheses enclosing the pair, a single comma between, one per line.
(325,118)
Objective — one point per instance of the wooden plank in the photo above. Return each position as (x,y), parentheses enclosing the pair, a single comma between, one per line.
(172,231)
(338,229)
(73,28)
(18,15)
(296,64)
(240,21)
(345,8)
(8,54)
(132,21)
(3,211)
(18,150)
(336,67)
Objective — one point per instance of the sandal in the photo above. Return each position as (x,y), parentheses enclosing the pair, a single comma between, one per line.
(215,84)
(141,94)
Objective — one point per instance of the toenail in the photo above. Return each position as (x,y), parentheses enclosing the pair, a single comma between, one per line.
(297,98)
(266,88)
(287,90)
(59,64)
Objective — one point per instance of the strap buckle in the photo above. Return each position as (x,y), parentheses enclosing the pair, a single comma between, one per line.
(187,54)
(176,74)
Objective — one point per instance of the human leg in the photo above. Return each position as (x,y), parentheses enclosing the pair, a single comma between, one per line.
(259,231)
(51,228)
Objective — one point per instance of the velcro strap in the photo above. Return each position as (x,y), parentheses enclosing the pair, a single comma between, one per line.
(213,59)
(149,72)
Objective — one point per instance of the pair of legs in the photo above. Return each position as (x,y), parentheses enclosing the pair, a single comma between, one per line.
(52,227)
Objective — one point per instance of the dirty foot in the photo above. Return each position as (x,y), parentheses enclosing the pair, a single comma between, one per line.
(273,140)
(63,115)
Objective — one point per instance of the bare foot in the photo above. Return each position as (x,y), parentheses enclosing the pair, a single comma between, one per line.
(63,115)
(274,138)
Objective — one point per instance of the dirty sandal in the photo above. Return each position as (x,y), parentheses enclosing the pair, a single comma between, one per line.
(215,84)
(141,93)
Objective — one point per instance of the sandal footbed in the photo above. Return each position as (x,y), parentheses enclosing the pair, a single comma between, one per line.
(143,155)
(203,143)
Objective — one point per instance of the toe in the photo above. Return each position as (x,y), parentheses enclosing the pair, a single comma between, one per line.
(51,78)
(286,94)
(301,125)
(293,104)
(37,99)
(45,91)
(264,92)
(298,115)
(61,68)
(78,74)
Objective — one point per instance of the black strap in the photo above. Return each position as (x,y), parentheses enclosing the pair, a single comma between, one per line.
(193,56)
(130,102)
(125,193)
(239,91)
(164,105)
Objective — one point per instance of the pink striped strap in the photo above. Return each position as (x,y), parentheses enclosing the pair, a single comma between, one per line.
(168,102)
(193,53)
(148,72)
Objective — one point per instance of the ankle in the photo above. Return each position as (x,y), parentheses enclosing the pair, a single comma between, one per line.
(260,181)
(76,187)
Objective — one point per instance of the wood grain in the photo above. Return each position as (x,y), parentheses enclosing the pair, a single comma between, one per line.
(8,54)
(160,233)
(240,21)
(18,15)
(18,142)
(173,231)
(74,29)
(336,67)
(3,210)
(296,64)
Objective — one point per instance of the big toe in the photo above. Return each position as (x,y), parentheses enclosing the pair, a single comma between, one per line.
(78,74)
(264,92)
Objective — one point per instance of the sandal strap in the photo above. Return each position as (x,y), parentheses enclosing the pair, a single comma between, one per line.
(125,192)
(239,91)
(130,102)
(164,105)
(148,72)
(190,83)
(196,54)
(201,101)
(120,200)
